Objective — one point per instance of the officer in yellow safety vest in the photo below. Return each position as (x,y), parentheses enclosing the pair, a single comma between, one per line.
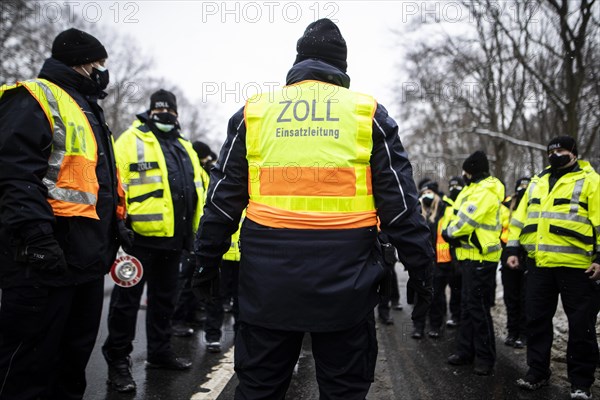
(475,230)
(164,187)
(558,224)
(61,219)
(316,165)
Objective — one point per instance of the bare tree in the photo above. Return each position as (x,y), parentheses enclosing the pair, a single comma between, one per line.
(504,86)
(24,40)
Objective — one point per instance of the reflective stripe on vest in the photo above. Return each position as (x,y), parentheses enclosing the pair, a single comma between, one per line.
(308,149)
(71,176)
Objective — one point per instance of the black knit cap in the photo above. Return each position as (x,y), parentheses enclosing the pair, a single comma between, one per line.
(75,47)
(456,181)
(429,184)
(323,40)
(563,142)
(476,164)
(522,181)
(163,99)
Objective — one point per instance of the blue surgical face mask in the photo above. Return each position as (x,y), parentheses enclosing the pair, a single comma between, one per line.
(164,127)
(427,199)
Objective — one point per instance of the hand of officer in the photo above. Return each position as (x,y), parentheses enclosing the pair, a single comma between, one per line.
(513,262)
(126,236)
(594,271)
(42,252)
(455,242)
(420,281)
(205,282)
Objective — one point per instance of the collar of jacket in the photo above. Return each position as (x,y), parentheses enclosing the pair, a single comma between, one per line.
(317,70)
(67,78)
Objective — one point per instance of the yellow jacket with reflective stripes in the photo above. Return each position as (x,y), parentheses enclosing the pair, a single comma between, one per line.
(561,227)
(71,177)
(145,178)
(308,149)
(477,221)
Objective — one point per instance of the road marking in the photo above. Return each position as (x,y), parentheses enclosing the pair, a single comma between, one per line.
(217,378)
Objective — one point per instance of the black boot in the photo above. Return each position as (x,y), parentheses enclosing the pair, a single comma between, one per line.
(119,370)
(119,375)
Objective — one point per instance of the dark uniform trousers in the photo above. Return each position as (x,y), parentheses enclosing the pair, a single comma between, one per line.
(344,361)
(187,304)
(444,275)
(580,297)
(476,333)
(513,284)
(161,269)
(229,272)
(46,337)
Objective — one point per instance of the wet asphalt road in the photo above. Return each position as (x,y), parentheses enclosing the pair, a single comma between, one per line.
(406,369)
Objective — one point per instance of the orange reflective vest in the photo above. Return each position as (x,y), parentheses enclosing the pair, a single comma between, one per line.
(308,149)
(71,177)
(442,248)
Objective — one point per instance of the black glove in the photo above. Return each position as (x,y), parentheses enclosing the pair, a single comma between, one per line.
(454,242)
(420,282)
(126,236)
(42,252)
(205,282)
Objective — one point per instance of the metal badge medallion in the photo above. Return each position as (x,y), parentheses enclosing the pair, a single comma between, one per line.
(126,271)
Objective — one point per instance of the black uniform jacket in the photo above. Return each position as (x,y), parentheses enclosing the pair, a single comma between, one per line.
(25,145)
(313,280)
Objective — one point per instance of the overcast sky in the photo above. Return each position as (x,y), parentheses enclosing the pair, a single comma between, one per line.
(223,52)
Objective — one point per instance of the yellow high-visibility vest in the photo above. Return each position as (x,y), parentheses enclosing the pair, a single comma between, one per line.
(145,178)
(559,228)
(308,149)
(477,221)
(71,176)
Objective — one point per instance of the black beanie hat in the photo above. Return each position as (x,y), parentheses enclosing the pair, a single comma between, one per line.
(322,39)
(202,149)
(163,99)
(456,181)
(476,164)
(563,142)
(75,47)
(521,181)
(431,185)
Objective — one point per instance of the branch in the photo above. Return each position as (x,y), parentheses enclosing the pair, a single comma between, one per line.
(518,142)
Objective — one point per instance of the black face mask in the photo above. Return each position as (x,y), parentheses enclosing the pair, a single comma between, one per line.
(427,201)
(454,193)
(101,78)
(520,192)
(467,180)
(558,161)
(165,118)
